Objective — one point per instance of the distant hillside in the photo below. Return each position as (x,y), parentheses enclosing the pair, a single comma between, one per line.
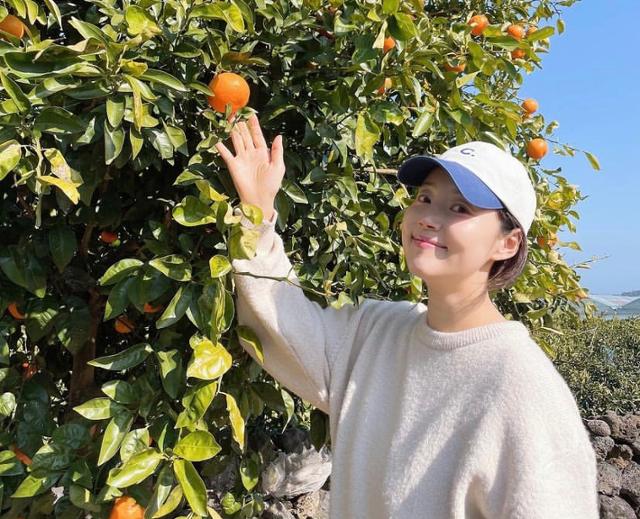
(633,293)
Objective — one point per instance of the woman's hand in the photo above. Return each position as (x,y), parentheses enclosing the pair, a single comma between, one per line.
(256,171)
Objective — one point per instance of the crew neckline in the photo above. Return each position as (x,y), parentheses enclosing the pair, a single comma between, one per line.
(446,341)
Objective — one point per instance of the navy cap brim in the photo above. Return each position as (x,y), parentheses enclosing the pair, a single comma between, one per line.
(414,170)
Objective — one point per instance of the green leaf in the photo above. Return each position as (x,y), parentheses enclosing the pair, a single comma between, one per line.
(7,404)
(115,110)
(237,422)
(32,486)
(10,155)
(401,27)
(120,391)
(171,503)
(58,121)
(197,446)
(423,123)
(55,10)
(191,211)
(219,266)
(196,401)
(161,492)
(118,299)
(249,337)
(171,371)
(134,442)
(243,242)
(67,187)
(366,135)
(114,433)
(208,361)
(9,464)
(97,408)
(122,360)
(15,93)
(63,245)
(162,77)
(249,472)
(138,468)
(140,22)
(192,486)
(541,34)
(177,138)
(176,308)
(113,142)
(595,164)
(120,270)
(173,266)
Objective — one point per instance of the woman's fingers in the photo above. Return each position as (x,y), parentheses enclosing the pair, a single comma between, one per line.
(247,139)
(238,142)
(226,155)
(256,132)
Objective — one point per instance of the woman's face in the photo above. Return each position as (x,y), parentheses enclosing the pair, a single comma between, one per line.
(469,237)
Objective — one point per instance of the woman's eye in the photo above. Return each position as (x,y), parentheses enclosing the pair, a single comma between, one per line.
(464,209)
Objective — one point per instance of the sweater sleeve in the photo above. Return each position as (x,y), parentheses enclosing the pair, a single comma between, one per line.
(299,338)
(543,465)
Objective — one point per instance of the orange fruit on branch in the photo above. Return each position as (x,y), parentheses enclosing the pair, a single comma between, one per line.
(389,43)
(530,105)
(455,68)
(518,53)
(126,507)
(516,30)
(21,455)
(537,148)
(30,369)
(108,237)
(387,84)
(228,88)
(150,309)
(15,312)
(12,25)
(123,324)
(479,22)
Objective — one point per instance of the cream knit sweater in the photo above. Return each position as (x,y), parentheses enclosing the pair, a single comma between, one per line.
(424,424)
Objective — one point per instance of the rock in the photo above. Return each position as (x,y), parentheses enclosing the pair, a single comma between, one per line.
(630,484)
(615,508)
(599,427)
(614,422)
(307,505)
(277,509)
(609,479)
(620,455)
(602,446)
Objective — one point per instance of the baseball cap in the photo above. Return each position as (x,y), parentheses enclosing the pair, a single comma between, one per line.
(486,176)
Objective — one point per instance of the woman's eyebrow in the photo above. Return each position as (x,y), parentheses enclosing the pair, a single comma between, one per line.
(454,192)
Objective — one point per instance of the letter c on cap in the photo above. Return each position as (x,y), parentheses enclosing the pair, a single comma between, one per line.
(468,151)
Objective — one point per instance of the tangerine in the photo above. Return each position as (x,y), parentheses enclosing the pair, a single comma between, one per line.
(387,84)
(108,237)
(518,53)
(21,455)
(12,25)
(150,309)
(537,148)
(389,43)
(123,325)
(455,68)
(479,23)
(516,30)
(15,312)
(126,507)
(228,88)
(530,105)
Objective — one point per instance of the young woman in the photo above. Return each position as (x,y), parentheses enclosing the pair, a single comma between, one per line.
(448,411)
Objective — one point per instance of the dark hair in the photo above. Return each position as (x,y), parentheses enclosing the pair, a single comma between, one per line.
(503,273)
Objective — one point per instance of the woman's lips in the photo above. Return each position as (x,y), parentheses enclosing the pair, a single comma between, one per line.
(426,245)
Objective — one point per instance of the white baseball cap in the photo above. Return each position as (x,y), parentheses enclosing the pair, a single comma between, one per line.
(486,176)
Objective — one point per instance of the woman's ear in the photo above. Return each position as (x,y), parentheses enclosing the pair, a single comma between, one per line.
(508,245)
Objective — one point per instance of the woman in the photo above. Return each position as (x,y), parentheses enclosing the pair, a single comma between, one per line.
(450,411)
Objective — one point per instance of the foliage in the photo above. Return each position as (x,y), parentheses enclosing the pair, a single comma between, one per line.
(105,126)
(599,359)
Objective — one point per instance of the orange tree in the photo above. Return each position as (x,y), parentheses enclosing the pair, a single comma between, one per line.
(123,382)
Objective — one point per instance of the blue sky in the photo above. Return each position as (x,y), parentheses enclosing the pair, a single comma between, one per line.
(589,83)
